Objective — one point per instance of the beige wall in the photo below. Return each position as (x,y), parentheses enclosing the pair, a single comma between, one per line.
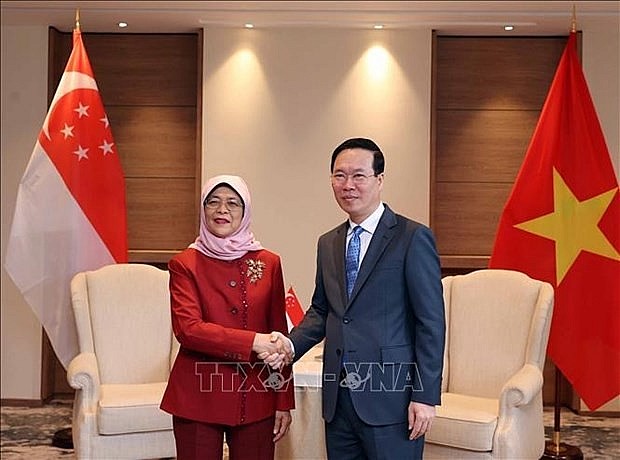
(601,63)
(276,103)
(601,66)
(24,103)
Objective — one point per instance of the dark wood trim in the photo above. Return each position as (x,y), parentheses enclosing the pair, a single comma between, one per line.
(473,262)
(151,256)
(433,122)
(599,414)
(199,128)
(48,360)
(52,33)
(16,402)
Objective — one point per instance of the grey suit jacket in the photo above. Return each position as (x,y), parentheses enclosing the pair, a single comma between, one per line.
(391,330)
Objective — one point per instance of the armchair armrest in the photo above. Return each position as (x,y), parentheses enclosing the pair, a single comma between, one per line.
(520,432)
(83,374)
(521,388)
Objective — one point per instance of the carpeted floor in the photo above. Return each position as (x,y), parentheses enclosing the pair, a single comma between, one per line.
(27,432)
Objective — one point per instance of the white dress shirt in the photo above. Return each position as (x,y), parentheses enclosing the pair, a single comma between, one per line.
(369,225)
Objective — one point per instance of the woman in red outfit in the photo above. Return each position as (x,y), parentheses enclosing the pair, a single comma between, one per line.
(227,295)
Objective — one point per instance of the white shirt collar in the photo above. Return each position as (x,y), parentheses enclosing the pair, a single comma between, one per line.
(370,223)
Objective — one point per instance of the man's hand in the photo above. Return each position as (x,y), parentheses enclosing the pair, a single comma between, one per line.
(420,419)
(284,354)
(283,422)
(263,344)
(286,345)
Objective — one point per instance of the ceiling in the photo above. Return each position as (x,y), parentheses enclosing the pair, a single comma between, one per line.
(447,17)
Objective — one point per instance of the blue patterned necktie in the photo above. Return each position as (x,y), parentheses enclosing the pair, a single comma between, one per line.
(353,257)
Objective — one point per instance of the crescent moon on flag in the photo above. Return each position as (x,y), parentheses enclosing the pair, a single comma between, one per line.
(70,81)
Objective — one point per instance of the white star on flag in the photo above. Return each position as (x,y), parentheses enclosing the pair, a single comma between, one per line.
(82,110)
(81,152)
(106,147)
(105,120)
(67,131)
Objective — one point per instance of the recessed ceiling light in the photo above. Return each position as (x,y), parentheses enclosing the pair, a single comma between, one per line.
(122,24)
(508,28)
(248,25)
(378,26)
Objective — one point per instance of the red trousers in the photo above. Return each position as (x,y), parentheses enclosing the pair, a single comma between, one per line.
(204,441)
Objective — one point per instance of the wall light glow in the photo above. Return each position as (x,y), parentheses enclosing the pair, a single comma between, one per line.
(122,24)
(377,62)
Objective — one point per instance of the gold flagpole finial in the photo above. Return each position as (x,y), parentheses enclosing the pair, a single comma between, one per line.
(573,21)
(77,19)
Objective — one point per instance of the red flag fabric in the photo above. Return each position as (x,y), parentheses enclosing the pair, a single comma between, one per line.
(70,214)
(294,312)
(561,224)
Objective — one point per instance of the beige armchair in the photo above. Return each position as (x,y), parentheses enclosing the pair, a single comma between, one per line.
(122,313)
(497,327)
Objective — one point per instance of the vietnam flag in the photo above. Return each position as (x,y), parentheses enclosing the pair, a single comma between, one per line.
(294,312)
(561,224)
(70,211)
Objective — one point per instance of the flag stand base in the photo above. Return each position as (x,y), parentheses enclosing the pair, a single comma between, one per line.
(63,439)
(556,450)
(563,452)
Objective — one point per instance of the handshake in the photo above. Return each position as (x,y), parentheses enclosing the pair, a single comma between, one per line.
(274,349)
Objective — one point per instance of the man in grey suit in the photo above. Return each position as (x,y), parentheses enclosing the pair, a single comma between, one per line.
(378,303)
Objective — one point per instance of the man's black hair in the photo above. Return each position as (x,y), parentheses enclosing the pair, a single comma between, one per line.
(378,161)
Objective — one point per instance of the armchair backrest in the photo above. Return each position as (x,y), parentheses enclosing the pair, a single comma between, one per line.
(122,315)
(496,321)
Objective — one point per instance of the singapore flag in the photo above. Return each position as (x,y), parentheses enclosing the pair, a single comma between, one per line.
(70,213)
(294,311)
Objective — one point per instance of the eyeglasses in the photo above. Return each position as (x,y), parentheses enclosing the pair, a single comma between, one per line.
(231,205)
(340,178)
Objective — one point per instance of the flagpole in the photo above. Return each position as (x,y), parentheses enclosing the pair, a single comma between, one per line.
(556,449)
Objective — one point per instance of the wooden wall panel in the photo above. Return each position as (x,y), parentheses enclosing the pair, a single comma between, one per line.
(496,73)
(486,99)
(157,211)
(482,145)
(150,85)
(155,141)
(469,213)
(146,69)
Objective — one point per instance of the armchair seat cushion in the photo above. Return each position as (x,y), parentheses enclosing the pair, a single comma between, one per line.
(131,408)
(465,422)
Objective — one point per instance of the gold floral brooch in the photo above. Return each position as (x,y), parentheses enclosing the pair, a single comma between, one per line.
(255,269)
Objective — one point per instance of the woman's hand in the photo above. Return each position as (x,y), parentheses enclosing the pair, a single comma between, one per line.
(283,422)
(262,343)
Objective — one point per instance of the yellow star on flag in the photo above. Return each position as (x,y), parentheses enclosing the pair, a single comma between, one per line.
(573,225)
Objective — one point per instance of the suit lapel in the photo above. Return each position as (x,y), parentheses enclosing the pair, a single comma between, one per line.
(380,240)
(339,256)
